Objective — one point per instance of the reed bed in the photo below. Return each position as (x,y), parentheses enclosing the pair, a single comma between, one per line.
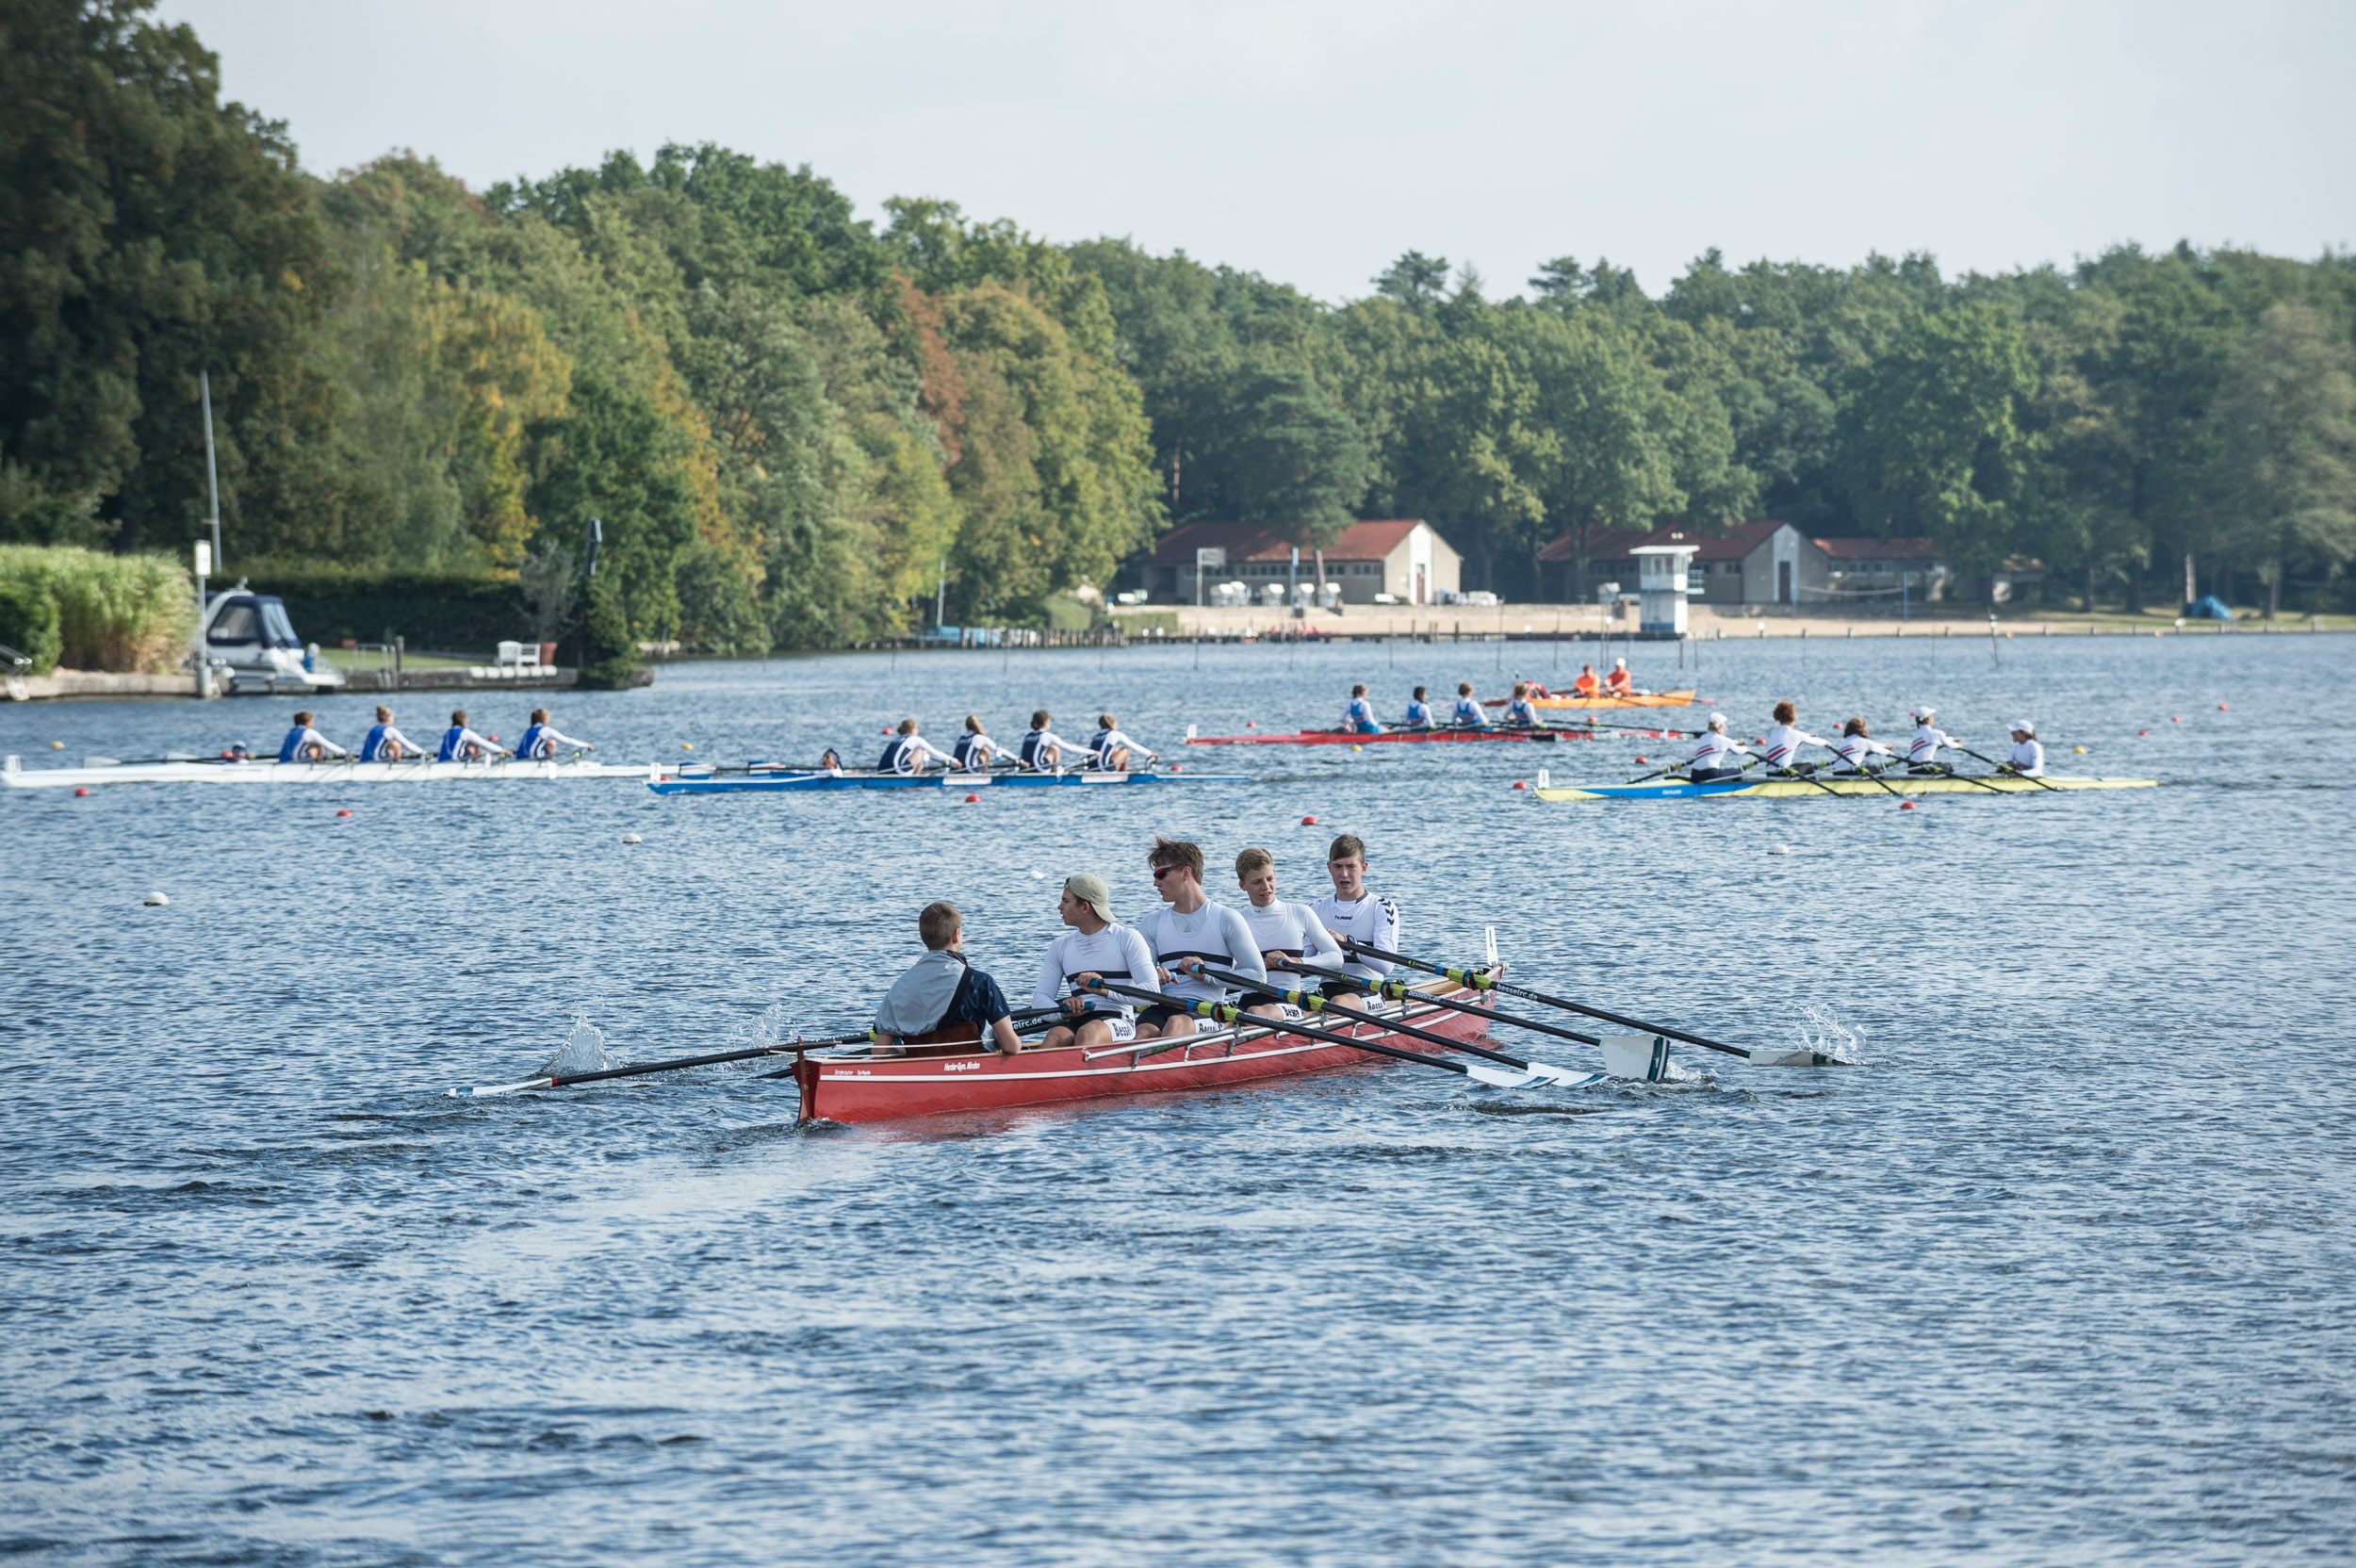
(86,610)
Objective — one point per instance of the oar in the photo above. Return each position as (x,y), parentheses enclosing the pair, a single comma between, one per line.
(1865,770)
(1311,1001)
(1398,990)
(565,1080)
(1481,982)
(1222,1013)
(2005,767)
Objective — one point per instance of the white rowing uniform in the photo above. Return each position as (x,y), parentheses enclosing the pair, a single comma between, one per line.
(373,750)
(1418,714)
(1036,740)
(1118,952)
(302,735)
(1855,750)
(1291,931)
(543,741)
(1924,749)
(2028,758)
(909,754)
(1372,920)
(973,751)
(1717,750)
(1108,742)
(1784,743)
(1214,933)
(1467,710)
(460,744)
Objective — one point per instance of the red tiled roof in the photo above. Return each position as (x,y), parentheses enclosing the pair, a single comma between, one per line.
(1877,549)
(1616,544)
(1363,541)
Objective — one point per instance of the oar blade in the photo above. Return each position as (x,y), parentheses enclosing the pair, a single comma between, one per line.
(1797,1057)
(481,1090)
(1537,1075)
(1639,1058)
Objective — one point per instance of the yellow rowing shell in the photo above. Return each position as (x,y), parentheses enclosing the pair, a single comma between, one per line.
(1927,784)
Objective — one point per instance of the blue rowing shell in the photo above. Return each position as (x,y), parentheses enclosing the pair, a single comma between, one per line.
(797,782)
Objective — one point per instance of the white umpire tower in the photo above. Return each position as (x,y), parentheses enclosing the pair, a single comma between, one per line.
(1660,583)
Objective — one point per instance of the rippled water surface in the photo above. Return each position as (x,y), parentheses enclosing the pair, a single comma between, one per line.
(2064,1273)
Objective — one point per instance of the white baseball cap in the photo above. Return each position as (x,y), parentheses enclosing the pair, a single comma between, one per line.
(2024,726)
(1717,721)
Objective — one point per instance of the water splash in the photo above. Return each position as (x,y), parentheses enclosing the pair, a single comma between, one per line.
(583,1050)
(1820,1030)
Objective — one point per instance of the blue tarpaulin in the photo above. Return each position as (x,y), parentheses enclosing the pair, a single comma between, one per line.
(2212,609)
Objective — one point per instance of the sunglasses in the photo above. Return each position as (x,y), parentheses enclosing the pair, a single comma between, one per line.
(1160,872)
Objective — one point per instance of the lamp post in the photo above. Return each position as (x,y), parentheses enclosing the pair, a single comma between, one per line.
(203,570)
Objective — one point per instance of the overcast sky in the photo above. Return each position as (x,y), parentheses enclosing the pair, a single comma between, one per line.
(1313,142)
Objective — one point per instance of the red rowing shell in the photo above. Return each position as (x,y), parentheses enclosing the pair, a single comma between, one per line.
(887,1088)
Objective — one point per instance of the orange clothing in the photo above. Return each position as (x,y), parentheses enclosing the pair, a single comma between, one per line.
(1585,685)
(1618,683)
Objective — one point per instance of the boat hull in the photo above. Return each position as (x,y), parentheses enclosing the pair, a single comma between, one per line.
(1390,737)
(313,773)
(1564,699)
(1929,784)
(796,783)
(891,1088)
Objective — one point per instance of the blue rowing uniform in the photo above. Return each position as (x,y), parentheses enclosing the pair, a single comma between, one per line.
(1360,717)
(1418,715)
(970,751)
(373,750)
(458,741)
(1036,741)
(530,744)
(1467,711)
(302,735)
(1521,711)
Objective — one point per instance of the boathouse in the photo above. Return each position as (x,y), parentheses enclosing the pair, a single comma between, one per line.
(1398,561)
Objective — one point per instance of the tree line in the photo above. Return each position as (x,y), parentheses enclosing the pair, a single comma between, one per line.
(796,428)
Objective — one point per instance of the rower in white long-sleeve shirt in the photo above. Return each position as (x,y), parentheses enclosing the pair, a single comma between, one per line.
(1187,933)
(1286,933)
(1418,712)
(909,752)
(1856,748)
(1714,754)
(541,739)
(1467,708)
(2028,755)
(1522,710)
(461,744)
(1784,741)
(1095,947)
(1111,751)
(1922,750)
(305,745)
(1043,750)
(385,743)
(973,750)
(1358,718)
(1354,913)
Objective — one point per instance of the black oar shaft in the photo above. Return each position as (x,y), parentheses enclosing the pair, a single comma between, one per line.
(2001,767)
(1284,1026)
(1317,1005)
(1399,993)
(1484,983)
(565,1080)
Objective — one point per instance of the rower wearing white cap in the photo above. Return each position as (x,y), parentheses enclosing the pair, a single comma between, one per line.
(907,751)
(1922,751)
(2028,756)
(1619,683)
(1856,748)
(1095,947)
(1713,758)
(1784,741)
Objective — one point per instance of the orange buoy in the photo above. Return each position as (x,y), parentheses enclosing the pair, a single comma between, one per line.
(1308,821)
(344,813)
(1905,806)
(81,789)
(2221,707)
(970,799)
(1640,760)
(2143,732)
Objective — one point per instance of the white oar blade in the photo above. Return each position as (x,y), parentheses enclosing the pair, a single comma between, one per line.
(1503,1077)
(1640,1058)
(1799,1057)
(482,1089)
(1565,1078)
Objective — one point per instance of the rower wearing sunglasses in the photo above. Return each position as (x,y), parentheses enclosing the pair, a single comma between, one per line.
(1191,931)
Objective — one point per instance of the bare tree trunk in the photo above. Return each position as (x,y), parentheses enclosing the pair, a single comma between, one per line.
(2274,587)
(1319,592)
(2090,586)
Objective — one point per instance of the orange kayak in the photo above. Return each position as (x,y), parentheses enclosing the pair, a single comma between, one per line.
(1642,700)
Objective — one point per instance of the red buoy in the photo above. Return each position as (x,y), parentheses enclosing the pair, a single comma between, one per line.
(1640,760)
(2143,732)
(81,789)
(1308,821)
(2175,718)
(1519,785)
(2221,707)
(1905,806)
(344,813)
(972,799)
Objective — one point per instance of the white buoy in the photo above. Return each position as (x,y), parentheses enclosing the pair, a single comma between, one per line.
(1038,877)
(1778,849)
(632,839)
(154,901)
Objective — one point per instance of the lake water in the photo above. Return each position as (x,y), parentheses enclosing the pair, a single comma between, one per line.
(2065,1272)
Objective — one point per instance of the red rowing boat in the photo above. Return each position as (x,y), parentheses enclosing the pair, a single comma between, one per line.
(944,1079)
(1346,738)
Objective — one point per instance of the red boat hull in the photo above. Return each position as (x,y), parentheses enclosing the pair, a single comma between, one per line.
(889,1089)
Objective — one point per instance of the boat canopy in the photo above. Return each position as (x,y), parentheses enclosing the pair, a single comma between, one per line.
(252,620)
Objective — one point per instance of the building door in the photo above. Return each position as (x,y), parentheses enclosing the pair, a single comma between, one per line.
(1783,582)
(1419,584)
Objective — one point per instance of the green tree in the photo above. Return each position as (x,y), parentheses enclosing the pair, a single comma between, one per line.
(2282,476)
(616,458)
(1932,436)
